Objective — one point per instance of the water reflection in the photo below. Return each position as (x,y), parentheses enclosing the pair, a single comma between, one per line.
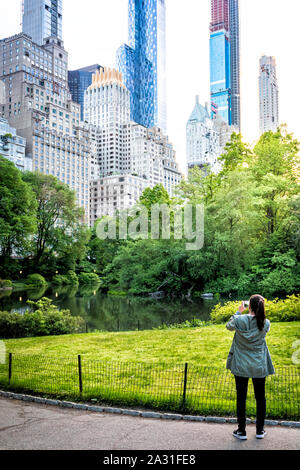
(102,312)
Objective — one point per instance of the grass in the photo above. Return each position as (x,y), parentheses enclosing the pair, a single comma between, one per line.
(147,368)
(207,346)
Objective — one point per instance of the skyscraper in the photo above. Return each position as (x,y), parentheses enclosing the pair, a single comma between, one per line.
(79,80)
(225,60)
(268,95)
(234,23)
(143,62)
(42,19)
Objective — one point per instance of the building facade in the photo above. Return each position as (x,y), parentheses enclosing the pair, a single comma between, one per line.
(143,62)
(13,146)
(79,80)
(38,105)
(42,19)
(225,61)
(128,155)
(107,108)
(268,95)
(202,139)
(206,138)
(234,23)
(114,193)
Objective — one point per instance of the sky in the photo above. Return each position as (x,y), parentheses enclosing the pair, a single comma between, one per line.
(93,33)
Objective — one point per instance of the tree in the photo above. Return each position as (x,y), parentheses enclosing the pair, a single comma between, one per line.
(17,211)
(58,216)
(236,154)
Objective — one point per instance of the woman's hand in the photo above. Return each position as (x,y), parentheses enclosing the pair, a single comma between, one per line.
(241,307)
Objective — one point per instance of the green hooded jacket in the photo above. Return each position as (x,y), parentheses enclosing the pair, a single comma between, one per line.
(249,355)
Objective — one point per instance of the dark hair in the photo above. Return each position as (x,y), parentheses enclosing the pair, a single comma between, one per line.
(257,305)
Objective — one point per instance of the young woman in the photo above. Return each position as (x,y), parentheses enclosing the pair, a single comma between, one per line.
(249,357)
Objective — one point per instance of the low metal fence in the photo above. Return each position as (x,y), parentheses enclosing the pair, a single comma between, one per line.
(185,388)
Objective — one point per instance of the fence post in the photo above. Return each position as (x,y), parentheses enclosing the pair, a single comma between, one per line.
(184,385)
(9,367)
(80,374)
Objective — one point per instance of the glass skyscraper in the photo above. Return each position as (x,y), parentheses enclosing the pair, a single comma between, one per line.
(42,19)
(78,81)
(225,60)
(143,62)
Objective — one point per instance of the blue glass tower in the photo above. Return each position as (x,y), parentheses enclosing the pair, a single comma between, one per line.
(143,62)
(79,80)
(220,76)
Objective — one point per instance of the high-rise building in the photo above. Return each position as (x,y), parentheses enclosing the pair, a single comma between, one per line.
(107,107)
(38,105)
(129,156)
(206,138)
(234,23)
(143,62)
(268,95)
(225,61)
(42,19)
(79,80)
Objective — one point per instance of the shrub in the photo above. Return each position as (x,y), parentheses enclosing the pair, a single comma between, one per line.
(276,310)
(36,280)
(88,278)
(46,320)
(60,280)
(5,283)
(65,280)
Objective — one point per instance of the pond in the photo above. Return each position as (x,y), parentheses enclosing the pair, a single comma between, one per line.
(111,313)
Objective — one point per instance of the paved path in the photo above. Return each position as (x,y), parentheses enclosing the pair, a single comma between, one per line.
(34,426)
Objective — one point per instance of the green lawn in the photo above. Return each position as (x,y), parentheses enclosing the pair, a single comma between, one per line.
(147,368)
(207,346)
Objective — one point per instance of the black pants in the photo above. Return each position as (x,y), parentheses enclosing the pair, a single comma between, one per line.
(259,390)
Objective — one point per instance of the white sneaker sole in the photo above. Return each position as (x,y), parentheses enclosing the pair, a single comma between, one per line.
(241,438)
(261,436)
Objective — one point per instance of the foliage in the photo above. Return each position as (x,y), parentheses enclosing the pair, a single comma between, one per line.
(58,216)
(17,213)
(36,280)
(44,321)
(277,310)
(5,283)
(65,280)
(88,278)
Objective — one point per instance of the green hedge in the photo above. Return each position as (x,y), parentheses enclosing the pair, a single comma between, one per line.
(46,320)
(276,310)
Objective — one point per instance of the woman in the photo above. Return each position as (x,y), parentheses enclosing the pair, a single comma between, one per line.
(249,357)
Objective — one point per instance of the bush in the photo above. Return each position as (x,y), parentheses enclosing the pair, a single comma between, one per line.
(276,310)
(65,280)
(36,280)
(88,278)
(5,283)
(46,320)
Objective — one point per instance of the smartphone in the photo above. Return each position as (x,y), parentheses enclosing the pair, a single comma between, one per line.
(246,303)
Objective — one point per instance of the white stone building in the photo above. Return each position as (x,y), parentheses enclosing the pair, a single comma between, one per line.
(206,138)
(125,150)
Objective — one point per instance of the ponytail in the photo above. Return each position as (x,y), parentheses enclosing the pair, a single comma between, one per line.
(257,305)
